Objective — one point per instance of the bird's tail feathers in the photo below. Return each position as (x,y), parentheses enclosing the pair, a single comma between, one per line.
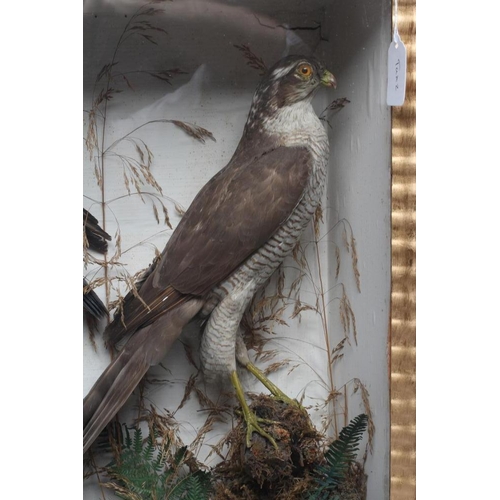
(147,347)
(138,310)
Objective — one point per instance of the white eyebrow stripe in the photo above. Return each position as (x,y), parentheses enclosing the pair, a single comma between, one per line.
(278,73)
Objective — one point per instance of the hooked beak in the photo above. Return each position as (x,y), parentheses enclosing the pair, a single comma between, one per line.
(328,80)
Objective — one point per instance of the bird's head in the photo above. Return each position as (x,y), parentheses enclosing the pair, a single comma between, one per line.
(291,80)
(296,78)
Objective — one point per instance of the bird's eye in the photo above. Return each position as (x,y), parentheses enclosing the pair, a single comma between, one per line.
(305,70)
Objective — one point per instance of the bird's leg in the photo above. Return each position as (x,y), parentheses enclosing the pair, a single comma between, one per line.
(217,351)
(251,419)
(242,357)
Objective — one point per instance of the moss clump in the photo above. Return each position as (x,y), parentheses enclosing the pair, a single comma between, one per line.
(263,472)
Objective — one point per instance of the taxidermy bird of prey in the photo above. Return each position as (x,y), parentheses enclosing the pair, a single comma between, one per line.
(235,234)
(96,239)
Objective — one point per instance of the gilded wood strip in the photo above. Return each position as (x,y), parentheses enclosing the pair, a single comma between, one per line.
(403,295)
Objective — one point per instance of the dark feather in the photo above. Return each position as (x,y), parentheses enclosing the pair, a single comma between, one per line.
(96,237)
(97,240)
(92,304)
(139,311)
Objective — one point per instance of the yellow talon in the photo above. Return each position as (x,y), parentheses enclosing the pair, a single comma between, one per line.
(253,426)
(251,420)
(274,389)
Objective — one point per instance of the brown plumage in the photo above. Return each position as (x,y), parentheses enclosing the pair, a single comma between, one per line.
(226,217)
(237,212)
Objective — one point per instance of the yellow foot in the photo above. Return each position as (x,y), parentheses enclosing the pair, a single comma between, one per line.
(251,419)
(289,401)
(252,422)
(274,389)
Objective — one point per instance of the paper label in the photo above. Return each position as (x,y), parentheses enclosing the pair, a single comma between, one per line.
(396,77)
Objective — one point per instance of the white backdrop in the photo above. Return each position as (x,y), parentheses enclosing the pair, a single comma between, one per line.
(215,93)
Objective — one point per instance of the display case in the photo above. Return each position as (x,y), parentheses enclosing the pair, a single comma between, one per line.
(167,90)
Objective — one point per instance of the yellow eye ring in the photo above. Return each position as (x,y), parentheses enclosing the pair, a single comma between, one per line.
(305,70)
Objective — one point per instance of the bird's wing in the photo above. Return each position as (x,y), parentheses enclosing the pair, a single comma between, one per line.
(141,308)
(234,215)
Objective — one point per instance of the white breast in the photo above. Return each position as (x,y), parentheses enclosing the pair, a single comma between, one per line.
(297,125)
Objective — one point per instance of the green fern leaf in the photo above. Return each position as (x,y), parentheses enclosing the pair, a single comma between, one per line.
(150,471)
(196,490)
(128,440)
(339,456)
(149,450)
(138,441)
